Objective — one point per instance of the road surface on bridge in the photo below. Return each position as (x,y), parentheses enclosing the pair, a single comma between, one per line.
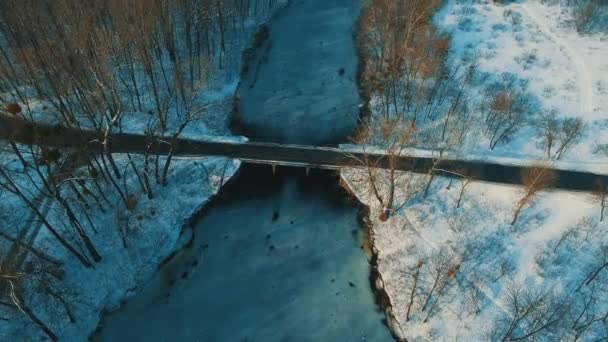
(326,157)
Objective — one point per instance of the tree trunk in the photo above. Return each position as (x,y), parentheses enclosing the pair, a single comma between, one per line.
(517,211)
(32,316)
(412,293)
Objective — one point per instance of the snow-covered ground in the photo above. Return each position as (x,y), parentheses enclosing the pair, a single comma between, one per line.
(487,255)
(153,230)
(458,269)
(564,70)
(134,242)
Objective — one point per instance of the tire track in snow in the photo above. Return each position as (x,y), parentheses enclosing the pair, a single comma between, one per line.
(584,79)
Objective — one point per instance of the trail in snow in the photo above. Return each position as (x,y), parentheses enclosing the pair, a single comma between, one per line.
(584,78)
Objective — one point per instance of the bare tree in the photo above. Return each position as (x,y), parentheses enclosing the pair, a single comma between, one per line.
(507,103)
(601,195)
(559,135)
(570,131)
(547,130)
(587,320)
(12,294)
(414,274)
(530,312)
(402,54)
(534,179)
(392,138)
(600,263)
(9,184)
(463,174)
(443,269)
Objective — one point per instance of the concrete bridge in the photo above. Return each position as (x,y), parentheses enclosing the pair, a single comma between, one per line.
(273,154)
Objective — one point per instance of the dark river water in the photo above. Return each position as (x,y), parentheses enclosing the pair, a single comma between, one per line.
(301,88)
(276,257)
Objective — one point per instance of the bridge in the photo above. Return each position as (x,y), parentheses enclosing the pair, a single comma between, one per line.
(273,154)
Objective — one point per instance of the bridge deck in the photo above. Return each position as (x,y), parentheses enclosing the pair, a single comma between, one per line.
(278,154)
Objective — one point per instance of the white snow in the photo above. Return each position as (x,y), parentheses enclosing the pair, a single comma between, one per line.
(533,12)
(154,230)
(557,239)
(564,70)
(479,238)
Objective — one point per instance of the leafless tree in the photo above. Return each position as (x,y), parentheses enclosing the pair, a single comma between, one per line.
(600,256)
(547,130)
(13,292)
(586,318)
(8,183)
(414,275)
(570,131)
(534,179)
(443,268)
(530,312)
(601,195)
(392,138)
(506,106)
(559,135)
(402,55)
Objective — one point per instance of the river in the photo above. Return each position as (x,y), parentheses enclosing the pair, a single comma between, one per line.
(302,88)
(275,257)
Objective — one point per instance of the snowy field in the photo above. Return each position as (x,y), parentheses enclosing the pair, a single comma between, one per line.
(562,69)
(470,259)
(457,269)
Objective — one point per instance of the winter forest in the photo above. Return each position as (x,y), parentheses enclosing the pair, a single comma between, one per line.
(304,170)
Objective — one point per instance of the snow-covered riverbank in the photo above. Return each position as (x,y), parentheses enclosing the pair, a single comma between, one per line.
(157,229)
(468,260)
(450,262)
(133,239)
(132,243)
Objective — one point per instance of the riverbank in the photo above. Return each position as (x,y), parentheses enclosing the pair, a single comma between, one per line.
(449,269)
(132,242)
(377,284)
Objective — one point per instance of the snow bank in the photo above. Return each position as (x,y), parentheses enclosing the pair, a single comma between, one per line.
(151,232)
(486,253)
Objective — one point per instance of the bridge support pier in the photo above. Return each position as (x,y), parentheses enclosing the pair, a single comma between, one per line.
(274,168)
(307,171)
